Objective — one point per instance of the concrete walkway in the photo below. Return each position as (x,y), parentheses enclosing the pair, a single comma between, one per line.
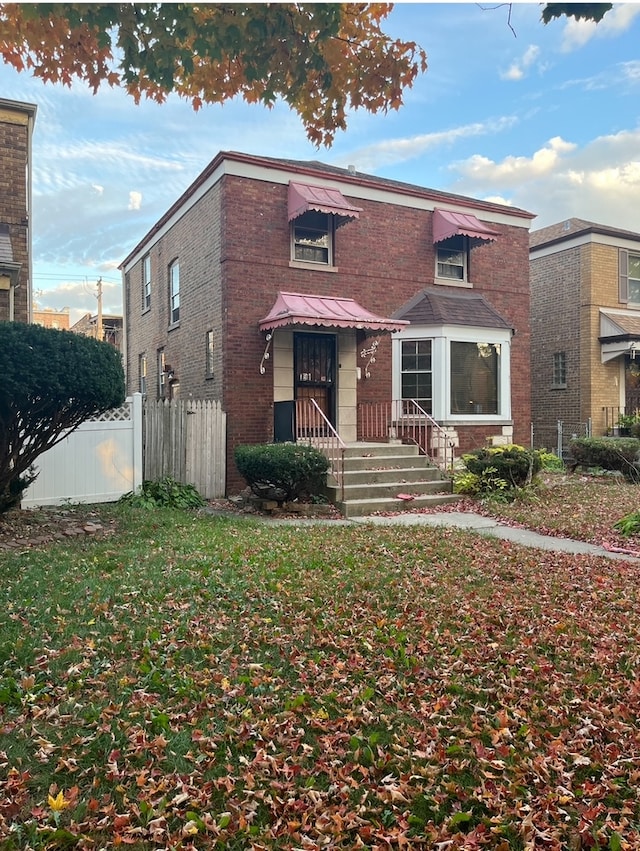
(476,523)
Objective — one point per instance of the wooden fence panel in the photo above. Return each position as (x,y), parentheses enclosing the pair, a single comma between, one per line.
(187,441)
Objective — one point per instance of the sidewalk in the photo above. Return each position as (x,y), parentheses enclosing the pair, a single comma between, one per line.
(476,523)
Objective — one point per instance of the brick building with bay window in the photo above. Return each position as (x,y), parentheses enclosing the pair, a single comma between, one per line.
(273,281)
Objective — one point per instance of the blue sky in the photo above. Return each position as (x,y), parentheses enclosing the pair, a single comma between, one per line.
(546,118)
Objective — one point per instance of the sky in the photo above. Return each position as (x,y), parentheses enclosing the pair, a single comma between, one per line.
(545,118)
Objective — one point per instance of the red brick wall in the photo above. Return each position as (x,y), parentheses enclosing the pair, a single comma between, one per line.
(14,150)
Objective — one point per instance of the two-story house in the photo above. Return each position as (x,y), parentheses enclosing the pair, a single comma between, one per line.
(585,305)
(16,131)
(271,282)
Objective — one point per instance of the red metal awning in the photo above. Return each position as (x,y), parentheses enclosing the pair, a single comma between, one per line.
(299,309)
(447,224)
(304,197)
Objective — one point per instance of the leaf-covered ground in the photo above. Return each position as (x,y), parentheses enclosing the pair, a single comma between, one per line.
(206,683)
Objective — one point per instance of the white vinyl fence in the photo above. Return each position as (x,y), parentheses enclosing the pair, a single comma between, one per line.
(97,462)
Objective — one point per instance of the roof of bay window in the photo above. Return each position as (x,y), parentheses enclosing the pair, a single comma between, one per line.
(304,197)
(326,312)
(438,307)
(447,224)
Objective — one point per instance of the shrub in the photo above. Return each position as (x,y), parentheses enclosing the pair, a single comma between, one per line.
(550,461)
(52,381)
(283,471)
(629,524)
(478,484)
(164,493)
(513,465)
(610,453)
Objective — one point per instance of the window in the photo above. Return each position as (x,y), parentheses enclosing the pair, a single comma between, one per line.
(142,374)
(451,258)
(629,277)
(474,378)
(458,375)
(162,374)
(209,347)
(146,282)
(312,237)
(174,292)
(416,375)
(559,370)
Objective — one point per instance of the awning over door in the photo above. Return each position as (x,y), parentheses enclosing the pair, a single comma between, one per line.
(326,312)
(447,224)
(304,197)
(619,334)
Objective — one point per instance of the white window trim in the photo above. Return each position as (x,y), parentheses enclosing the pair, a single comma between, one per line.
(441,336)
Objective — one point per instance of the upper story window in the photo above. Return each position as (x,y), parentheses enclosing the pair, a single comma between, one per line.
(174,292)
(629,277)
(313,238)
(452,258)
(146,282)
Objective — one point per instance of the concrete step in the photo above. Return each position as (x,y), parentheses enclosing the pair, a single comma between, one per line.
(374,450)
(363,507)
(388,489)
(380,475)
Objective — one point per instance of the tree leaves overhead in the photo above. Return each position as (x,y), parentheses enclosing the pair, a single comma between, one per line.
(579,11)
(322,59)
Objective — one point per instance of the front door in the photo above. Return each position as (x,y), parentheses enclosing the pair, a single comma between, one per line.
(314,366)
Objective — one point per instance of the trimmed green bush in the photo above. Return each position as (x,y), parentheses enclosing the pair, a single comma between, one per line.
(52,381)
(609,453)
(512,464)
(283,471)
(164,493)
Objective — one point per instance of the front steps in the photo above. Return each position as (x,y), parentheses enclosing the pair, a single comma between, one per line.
(375,473)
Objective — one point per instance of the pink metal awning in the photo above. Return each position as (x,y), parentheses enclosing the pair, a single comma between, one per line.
(298,309)
(447,224)
(304,197)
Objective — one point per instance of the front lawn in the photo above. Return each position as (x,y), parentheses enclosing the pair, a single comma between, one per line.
(206,683)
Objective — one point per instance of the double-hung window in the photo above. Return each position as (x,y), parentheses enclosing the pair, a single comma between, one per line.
(452,258)
(312,238)
(416,373)
(559,379)
(162,374)
(629,277)
(146,282)
(209,353)
(174,293)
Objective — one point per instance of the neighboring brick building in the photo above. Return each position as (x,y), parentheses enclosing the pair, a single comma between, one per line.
(107,327)
(50,318)
(16,129)
(585,308)
(272,280)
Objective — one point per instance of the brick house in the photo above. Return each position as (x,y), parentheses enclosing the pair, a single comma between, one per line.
(272,280)
(16,130)
(585,307)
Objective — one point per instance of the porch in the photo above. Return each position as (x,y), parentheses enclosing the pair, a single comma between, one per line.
(400,460)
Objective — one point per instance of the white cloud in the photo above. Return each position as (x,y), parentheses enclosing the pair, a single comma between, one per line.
(97,188)
(577,33)
(513,170)
(388,152)
(135,200)
(80,297)
(518,69)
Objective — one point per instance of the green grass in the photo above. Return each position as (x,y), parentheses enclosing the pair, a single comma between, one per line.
(205,683)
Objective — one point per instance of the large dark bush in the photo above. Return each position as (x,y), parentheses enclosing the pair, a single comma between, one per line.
(283,471)
(609,453)
(52,381)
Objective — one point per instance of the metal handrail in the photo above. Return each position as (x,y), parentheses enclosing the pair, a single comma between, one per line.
(406,419)
(313,427)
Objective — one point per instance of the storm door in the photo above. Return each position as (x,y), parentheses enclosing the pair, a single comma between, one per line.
(314,366)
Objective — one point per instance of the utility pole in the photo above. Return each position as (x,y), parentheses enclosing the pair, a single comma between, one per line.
(99,333)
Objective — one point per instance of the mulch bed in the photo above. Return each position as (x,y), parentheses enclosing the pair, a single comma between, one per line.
(23,529)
